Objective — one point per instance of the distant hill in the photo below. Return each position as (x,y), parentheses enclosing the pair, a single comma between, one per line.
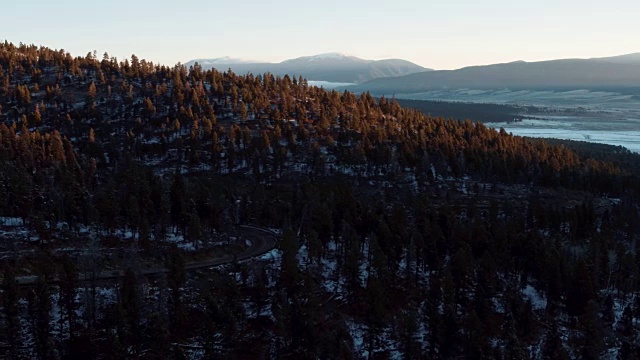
(612,72)
(621,59)
(332,67)
(223,60)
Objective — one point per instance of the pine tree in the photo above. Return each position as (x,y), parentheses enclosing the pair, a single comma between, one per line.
(176,279)
(40,303)
(552,347)
(289,275)
(160,345)
(410,343)
(130,302)
(68,279)
(375,312)
(177,195)
(10,299)
(92,91)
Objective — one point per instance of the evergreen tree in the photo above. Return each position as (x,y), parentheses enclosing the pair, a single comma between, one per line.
(68,280)
(10,305)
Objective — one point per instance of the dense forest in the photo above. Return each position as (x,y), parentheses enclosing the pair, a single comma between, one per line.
(465,110)
(399,234)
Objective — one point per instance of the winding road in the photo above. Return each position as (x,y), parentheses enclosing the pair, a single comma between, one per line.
(262,241)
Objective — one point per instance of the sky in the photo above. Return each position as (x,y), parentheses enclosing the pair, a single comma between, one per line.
(437,34)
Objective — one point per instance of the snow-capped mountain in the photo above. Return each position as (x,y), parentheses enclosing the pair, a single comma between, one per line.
(325,56)
(331,67)
(223,60)
(332,56)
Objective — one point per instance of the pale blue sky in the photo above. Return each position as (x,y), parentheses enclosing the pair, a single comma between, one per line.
(442,34)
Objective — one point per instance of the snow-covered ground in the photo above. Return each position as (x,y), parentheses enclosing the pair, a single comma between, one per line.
(544,98)
(604,117)
(538,302)
(327,84)
(623,133)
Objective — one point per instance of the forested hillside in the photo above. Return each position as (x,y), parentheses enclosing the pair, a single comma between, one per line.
(399,235)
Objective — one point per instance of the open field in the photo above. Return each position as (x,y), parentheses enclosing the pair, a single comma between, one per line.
(604,117)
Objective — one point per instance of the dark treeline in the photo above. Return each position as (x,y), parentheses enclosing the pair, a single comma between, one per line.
(403,234)
(465,110)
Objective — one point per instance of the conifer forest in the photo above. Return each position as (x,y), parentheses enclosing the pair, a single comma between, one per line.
(154,212)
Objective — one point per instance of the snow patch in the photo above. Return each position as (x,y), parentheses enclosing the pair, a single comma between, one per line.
(538,301)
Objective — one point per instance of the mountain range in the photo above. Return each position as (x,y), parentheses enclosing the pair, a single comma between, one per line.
(330,67)
(595,73)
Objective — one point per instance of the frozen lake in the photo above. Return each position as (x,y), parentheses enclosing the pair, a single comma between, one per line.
(327,84)
(625,132)
(605,117)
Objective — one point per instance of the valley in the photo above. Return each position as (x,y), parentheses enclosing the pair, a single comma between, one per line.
(604,117)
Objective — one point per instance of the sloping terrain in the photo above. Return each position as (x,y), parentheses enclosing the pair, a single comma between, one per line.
(403,235)
(602,73)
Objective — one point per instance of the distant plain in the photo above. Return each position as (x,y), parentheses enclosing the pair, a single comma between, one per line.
(599,116)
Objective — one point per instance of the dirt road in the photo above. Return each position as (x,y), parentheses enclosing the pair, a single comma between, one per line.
(262,241)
